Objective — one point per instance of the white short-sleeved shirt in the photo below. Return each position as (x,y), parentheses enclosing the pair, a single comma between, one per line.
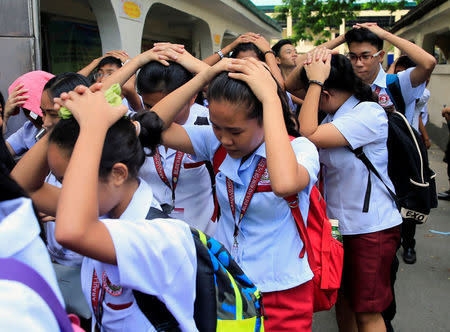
(409,93)
(24,138)
(22,309)
(363,124)
(269,244)
(155,257)
(194,202)
(422,106)
(198,115)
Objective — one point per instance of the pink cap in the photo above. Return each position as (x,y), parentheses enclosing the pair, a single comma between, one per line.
(34,81)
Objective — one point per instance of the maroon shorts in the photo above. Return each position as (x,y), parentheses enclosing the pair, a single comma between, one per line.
(366,278)
(290,309)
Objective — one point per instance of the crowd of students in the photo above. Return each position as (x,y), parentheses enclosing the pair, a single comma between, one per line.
(90,178)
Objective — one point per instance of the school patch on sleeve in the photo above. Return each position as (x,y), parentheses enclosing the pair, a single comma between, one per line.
(264,178)
(383,99)
(114,290)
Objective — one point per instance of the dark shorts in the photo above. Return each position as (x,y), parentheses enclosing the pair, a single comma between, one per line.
(366,280)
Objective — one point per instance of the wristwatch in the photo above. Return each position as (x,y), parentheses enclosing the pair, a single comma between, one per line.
(219,52)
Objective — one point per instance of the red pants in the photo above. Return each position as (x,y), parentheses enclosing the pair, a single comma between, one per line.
(289,310)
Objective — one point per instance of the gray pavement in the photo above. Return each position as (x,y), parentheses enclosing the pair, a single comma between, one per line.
(422,289)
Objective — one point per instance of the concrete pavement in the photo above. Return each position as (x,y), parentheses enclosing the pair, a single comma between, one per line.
(422,289)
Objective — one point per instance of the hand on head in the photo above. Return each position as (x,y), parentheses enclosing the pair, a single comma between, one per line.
(373,27)
(153,55)
(257,76)
(89,107)
(15,100)
(121,55)
(318,64)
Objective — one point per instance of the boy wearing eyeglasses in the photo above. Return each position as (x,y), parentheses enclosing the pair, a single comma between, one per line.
(365,43)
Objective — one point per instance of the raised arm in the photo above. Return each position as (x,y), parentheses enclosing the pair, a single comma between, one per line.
(30,173)
(287,176)
(269,56)
(317,66)
(86,71)
(77,224)
(425,62)
(248,37)
(122,75)
(167,109)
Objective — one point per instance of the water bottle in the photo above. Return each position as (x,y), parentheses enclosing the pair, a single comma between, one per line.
(335,230)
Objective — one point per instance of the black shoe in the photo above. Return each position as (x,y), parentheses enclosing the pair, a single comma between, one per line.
(409,255)
(444,195)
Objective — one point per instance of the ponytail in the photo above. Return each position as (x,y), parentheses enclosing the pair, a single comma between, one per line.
(362,91)
(151,128)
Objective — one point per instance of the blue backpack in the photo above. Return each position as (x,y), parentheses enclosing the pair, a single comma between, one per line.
(226,300)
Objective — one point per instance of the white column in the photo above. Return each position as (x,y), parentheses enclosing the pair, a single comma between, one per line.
(117,30)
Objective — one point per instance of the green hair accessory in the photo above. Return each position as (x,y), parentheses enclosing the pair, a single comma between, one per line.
(112,96)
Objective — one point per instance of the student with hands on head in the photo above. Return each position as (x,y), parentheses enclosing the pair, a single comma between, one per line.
(370,237)
(248,37)
(251,123)
(181,186)
(365,43)
(97,155)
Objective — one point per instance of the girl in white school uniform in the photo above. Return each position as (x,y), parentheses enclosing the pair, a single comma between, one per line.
(99,156)
(250,119)
(21,308)
(182,186)
(370,238)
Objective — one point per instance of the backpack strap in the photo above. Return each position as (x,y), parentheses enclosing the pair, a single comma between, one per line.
(395,93)
(293,203)
(14,270)
(155,310)
(359,153)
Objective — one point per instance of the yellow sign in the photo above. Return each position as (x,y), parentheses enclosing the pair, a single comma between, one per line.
(131,9)
(217,39)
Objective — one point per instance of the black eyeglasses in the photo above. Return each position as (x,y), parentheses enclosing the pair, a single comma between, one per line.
(363,57)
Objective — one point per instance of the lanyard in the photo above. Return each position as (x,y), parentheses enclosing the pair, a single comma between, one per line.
(257,174)
(377,90)
(97,298)
(175,171)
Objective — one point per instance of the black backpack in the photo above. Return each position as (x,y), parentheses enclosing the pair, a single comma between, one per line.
(226,299)
(408,168)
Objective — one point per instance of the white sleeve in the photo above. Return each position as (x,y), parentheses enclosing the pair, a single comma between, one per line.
(307,156)
(368,123)
(203,141)
(157,257)
(409,93)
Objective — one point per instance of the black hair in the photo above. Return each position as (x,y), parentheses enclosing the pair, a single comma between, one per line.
(7,162)
(155,77)
(121,145)
(343,78)
(405,62)
(109,60)
(277,47)
(363,35)
(244,47)
(2,103)
(64,83)
(224,88)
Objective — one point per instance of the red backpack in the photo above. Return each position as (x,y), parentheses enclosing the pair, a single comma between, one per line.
(325,254)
